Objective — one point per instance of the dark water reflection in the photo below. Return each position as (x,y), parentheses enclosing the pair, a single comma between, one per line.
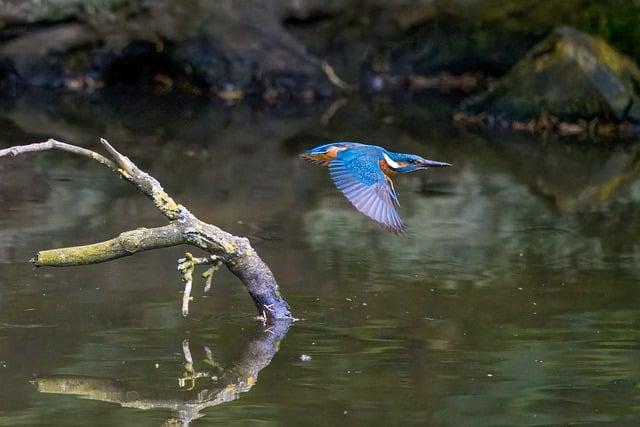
(513,300)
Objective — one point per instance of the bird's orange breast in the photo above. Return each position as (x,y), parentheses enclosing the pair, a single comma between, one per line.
(386,169)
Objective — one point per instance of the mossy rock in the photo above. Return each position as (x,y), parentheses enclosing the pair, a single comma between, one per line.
(571,75)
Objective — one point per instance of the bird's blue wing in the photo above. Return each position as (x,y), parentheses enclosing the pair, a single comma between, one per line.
(359,177)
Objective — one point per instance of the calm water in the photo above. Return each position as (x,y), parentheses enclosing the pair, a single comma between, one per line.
(514,299)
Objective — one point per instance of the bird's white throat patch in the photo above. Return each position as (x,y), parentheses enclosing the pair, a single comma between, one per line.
(391,163)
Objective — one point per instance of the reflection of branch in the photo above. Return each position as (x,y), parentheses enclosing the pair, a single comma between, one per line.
(186,404)
(190,375)
(184,228)
(332,110)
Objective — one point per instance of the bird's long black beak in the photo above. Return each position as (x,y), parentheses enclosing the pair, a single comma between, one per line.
(424,164)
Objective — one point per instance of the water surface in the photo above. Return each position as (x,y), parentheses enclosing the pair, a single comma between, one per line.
(513,300)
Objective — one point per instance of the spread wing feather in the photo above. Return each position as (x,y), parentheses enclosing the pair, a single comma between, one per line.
(363,183)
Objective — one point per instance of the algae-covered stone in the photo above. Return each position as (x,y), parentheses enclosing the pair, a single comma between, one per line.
(570,75)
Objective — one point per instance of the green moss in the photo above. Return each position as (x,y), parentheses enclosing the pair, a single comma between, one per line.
(494,34)
(570,75)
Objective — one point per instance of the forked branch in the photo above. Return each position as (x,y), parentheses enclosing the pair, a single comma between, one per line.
(183,229)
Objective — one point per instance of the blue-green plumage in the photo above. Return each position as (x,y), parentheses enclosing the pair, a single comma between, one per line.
(363,174)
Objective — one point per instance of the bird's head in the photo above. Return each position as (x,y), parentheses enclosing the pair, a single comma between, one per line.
(405,163)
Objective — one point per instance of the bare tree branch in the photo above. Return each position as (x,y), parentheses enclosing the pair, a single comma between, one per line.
(183,228)
(52,144)
(146,183)
(186,267)
(127,243)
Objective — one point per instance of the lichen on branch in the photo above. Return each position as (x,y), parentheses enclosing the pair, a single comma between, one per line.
(127,243)
(183,229)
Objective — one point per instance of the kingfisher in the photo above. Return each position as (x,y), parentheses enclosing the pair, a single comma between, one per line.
(363,174)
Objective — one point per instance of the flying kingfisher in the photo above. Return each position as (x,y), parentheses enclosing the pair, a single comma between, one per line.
(363,174)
